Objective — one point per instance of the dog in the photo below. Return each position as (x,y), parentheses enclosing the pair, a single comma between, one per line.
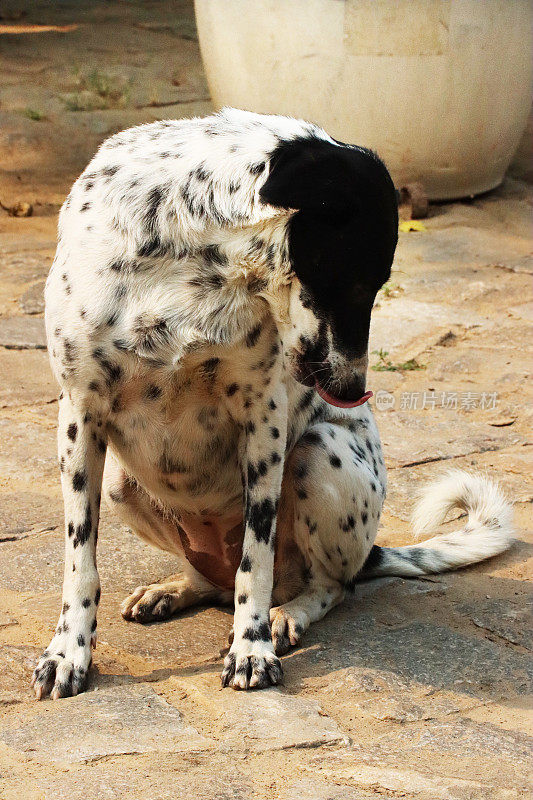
(207,318)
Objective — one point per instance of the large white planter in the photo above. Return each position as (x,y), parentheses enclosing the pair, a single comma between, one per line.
(439,88)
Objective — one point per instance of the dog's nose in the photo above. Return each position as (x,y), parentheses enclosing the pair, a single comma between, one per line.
(354,388)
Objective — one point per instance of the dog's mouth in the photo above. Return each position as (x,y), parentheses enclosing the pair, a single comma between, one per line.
(337,401)
(305,375)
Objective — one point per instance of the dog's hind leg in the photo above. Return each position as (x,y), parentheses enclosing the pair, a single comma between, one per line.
(156,601)
(334,483)
(290,620)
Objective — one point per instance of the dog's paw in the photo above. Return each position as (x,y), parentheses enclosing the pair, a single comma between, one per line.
(286,631)
(62,672)
(251,666)
(150,603)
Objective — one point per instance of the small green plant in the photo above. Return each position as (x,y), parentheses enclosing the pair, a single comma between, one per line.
(97,91)
(34,114)
(391,289)
(386,365)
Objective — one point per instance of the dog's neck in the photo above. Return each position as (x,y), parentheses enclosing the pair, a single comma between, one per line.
(257,254)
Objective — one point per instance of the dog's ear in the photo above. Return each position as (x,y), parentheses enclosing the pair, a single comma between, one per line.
(310,175)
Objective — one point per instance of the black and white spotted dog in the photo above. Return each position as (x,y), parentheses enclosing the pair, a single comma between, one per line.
(207,316)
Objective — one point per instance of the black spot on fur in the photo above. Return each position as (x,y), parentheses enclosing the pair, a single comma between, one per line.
(202,174)
(256,169)
(306,400)
(253,336)
(153,392)
(242,598)
(81,640)
(72,431)
(260,634)
(251,476)
(209,367)
(259,517)
(214,255)
(335,461)
(231,389)
(246,564)
(79,481)
(113,372)
(83,531)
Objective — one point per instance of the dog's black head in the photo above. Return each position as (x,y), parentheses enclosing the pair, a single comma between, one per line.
(342,240)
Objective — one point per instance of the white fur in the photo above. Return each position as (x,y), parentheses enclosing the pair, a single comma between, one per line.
(488,532)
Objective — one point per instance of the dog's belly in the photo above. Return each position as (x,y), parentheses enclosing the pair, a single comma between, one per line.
(213,545)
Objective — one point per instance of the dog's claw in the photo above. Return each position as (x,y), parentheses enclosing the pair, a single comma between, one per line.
(58,677)
(251,671)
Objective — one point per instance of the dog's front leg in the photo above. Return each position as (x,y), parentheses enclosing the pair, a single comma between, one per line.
(63,669)
(251,661)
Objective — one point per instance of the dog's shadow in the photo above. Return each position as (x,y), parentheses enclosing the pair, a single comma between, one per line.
(433,633)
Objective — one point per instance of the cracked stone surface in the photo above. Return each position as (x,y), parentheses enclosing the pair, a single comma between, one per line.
(416,689)
(267,720)
(117,721)
(202,777)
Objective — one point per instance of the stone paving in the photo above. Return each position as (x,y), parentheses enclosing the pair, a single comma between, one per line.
(413,688)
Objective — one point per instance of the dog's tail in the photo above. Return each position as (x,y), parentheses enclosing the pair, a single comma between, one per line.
(488,532)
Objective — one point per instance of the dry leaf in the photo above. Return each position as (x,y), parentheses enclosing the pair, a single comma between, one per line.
(407,225)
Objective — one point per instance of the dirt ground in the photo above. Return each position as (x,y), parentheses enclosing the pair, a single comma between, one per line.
(413,688)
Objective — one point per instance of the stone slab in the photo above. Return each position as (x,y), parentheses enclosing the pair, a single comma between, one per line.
(32,301)
(26,378)
(398,323)
(169,777)
(441,760)
(411,438)
(124,560)
(22,262)
(412,656)
(316,788)
(22,333)
(24,512)
(28,451)
(510,466)
(115,721)
(16,666)
(510,622)
(270,719)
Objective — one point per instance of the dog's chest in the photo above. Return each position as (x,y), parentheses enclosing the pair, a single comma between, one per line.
(179,432)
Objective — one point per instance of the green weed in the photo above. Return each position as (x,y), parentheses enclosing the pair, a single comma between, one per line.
(386,365)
